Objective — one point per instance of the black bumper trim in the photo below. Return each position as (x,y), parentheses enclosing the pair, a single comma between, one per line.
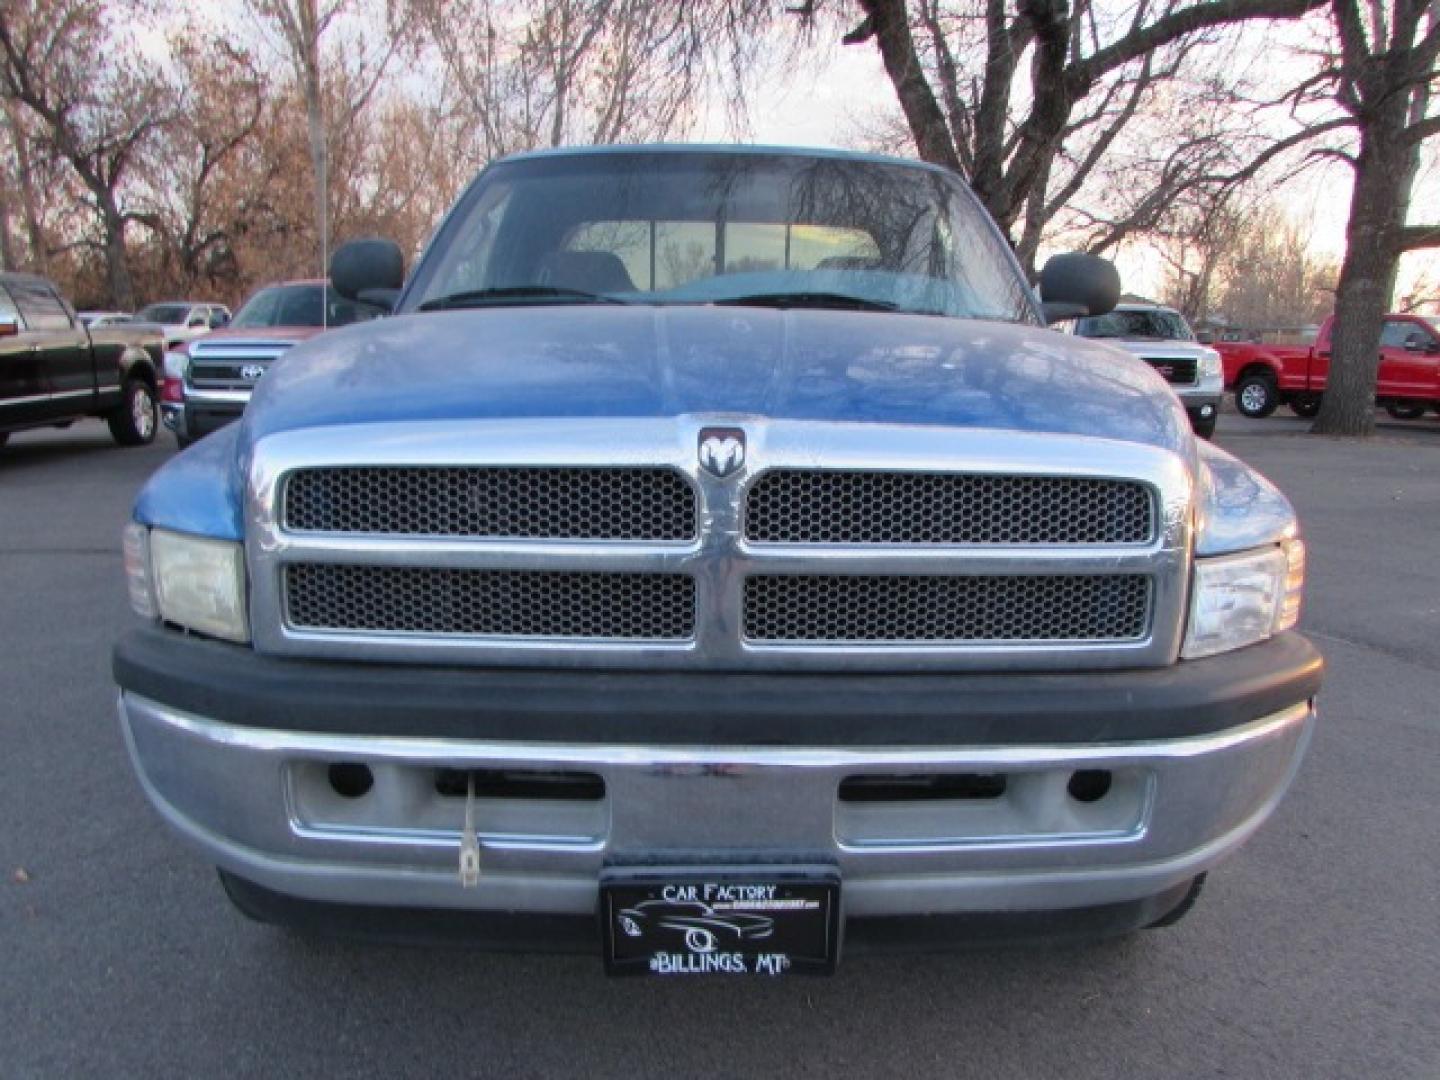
(574,934)
(233,684)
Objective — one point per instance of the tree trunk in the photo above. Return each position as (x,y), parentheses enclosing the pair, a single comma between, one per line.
(34,234)
(309,64)
(7,249)
(1367,275)
(117,263)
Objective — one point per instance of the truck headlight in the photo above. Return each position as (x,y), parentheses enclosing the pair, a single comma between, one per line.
(1241,599)
(199,583)
(1209,367)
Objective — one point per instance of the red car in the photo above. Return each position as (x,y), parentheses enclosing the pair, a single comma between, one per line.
(208,381)
(1263,376)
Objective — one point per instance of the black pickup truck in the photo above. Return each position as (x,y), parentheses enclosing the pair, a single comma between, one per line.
(54,371)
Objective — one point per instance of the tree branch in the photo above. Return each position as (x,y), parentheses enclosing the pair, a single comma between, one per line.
(1418,237)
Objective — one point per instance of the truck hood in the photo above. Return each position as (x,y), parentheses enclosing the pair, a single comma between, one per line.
(649,361)
(1160,350)
(263,333)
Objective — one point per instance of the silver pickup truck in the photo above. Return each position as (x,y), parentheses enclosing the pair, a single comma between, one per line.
(713,559)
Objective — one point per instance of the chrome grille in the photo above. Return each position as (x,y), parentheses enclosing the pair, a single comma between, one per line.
(528,503)
(811,506)
(602,543)
(490,603)
(1032,608)
(220,365)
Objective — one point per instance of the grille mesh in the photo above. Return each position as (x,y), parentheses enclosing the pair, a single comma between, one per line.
(829,608)
(1174,371)
(523,503)
(808,506)
(499,603)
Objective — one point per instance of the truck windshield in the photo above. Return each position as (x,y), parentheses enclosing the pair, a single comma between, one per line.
(300,305)
(700,227)
(1156,324)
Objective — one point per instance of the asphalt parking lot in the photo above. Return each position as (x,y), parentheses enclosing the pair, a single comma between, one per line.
(1314,952)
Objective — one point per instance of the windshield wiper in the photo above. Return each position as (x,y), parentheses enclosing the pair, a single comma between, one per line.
(809,300)
(523,293)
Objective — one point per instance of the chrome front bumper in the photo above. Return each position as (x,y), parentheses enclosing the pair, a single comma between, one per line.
(1195,396)
(259,803)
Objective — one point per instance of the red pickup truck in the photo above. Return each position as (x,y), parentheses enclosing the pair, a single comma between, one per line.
(1263,376)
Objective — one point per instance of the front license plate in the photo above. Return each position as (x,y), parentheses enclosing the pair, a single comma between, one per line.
(721,922)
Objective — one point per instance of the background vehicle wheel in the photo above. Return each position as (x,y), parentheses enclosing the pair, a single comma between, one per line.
(135,421)
(1305,407)
(1204,428)
(1406,410)
(1256,396)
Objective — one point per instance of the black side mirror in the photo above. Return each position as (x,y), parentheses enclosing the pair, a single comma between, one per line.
(1416,342)
(372,270)
(1076,285)
(1205,337)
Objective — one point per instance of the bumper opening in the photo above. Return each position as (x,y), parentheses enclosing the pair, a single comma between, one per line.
(922,787)
(519,784)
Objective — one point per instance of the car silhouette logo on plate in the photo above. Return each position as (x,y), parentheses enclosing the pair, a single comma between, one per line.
(722,450)
(251,372)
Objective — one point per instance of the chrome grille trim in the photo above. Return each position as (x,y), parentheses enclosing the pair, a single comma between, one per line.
(549,604)
(828,506)
(719,558)
(832,609)
(216,365)
(593,503)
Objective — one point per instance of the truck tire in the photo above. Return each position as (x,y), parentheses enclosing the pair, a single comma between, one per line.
(135,421)
(1205,428)
(1257,396)
(1406,410)
(1305,406)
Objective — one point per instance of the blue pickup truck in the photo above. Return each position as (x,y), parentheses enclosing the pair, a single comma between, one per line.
(714,530)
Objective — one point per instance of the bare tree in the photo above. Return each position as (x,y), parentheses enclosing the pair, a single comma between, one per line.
(958,77)
(20,181)
(1383,78)
(1270,277)
(190,198)
(531,73)
(92,106)
(303,26)
(1195,249)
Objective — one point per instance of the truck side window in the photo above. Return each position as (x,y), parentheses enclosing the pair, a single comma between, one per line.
(1395,333)
(41,307)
